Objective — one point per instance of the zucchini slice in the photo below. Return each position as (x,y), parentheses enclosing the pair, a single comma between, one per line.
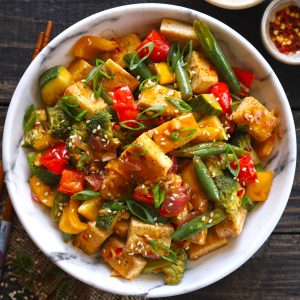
(53,83)
(206,105)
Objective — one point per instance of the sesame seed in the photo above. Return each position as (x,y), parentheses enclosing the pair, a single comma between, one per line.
(210,221)
(38,183)
(163,143)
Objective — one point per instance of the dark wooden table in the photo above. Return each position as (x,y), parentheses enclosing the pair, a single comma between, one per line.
(274,271)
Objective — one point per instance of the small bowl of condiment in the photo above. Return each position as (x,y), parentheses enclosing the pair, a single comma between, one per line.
(280,29)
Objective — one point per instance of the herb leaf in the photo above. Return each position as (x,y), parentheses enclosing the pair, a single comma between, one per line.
(105,221)
(248,203)
(159,195)
(172,257)
(234,172)
(29,118)
(86,195)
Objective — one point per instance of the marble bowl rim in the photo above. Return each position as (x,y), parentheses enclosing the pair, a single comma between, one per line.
(231,6)
(8,129)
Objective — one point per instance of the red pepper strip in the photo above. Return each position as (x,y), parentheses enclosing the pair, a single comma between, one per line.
(247,173)
(71,182)
(221,91)
(55,158)
(160,50)
(244,77)
(145,198)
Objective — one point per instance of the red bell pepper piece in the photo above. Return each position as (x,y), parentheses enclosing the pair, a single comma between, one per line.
(221,91)
(244,77)
(71,182)
(247,173)
(145,198)
(124,104)
(55,158)
(160,50)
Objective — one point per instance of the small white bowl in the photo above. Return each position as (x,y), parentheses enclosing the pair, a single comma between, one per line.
(234,4)
(208,269)
(269,15)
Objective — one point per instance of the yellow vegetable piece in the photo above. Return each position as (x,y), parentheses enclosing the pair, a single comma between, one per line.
(45,142)
(80,69)
(264,149)
(164,73)
(69,221)
(259,191)
(41,192)
(90,208)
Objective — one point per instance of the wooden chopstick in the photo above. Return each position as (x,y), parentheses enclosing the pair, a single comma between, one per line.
(48,31)
(38,45)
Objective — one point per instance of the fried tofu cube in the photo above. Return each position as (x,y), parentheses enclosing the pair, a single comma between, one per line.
(114,253)
(261,122)
(166,76)
(213,242)
(186,127)
(198,200)
(80,69)
(140,233)
(120,77)
(232,227)
(144,161)
(85,96)
(156,97)
(121,228)
(91,239)
(126,44)
(203,75)
(199,238)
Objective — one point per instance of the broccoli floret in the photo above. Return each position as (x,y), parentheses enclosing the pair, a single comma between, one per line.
(59,122)
(100,123)
(79,129)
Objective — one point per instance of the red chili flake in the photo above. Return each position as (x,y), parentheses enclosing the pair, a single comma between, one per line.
(285,29)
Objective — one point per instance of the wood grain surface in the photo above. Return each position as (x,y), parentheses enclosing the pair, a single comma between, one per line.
(274,271)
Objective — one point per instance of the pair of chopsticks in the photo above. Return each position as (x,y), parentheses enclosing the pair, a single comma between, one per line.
(8,212)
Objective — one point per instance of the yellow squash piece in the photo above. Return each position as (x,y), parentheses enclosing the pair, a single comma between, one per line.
(69,221)
(185,126)
(259,191)
(44,142)
(264,149)
(80,69)
(90,208)
(165,75)
(41,191)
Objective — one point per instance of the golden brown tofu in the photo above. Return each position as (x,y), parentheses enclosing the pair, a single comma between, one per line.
(198,200)
(261,122)
(139,233)
(177,220)
(156,97)
(85,96)
(199,238)
(186,127)
(114,253)
(145,161)
(121,229)
(232,227)
(212,243)
(91,239)
(79,69)
(126,44)
(120,77)
(203,75)
(178,31)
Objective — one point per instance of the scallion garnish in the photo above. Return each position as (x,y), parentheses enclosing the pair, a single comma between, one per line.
(176,135)
(159,195)
(149,83)
(172,257)
(128,124)
(135,149)
(248,203)
(180,104)
(29,118)
(187,50)
(86,195)
(71,109)
(135,62)
(234,172)
(97,90)
(173,56)
(151,113)
(140,211)
(92,74)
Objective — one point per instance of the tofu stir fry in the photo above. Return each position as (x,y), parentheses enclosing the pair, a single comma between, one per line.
(149,150)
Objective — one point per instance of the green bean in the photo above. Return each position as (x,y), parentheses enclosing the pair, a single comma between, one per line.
(207,149)
(141,70)
(198,224)
(105,96)
(214,53)
(59,201)
(205,179)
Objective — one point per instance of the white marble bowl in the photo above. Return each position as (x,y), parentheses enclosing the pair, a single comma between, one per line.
(208,269)
(234,4)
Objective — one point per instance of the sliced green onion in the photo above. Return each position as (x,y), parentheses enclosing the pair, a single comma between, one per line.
(92,74)
(173,59)
(140,211)
(145,116)
(172,257)
(234,172)
(137,61)
(189,49)
(141,126)
(149,83)
(175,136)
(29,118)
(179,103)
(81,115)
(108,76)
(97,90)
(248,203)
(159,195)
(86,195)
(100,62)
(138,153)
